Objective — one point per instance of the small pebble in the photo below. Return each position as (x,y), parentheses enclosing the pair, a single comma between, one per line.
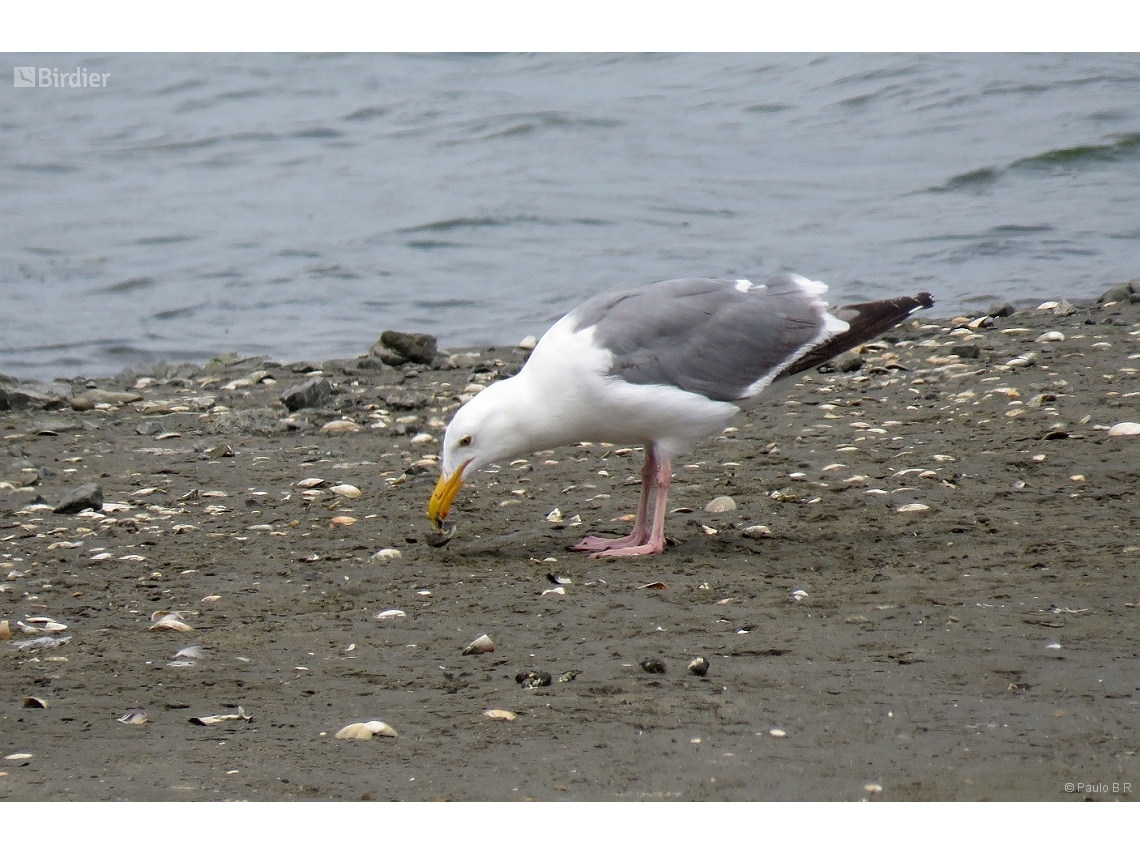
(699,666)
(653,666)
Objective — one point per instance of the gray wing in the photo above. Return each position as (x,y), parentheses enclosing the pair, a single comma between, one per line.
(706,336)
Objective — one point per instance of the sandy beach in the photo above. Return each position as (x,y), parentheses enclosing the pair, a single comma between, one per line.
(927,588)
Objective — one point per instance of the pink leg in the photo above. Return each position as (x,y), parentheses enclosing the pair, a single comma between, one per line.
(656,543)
(640,531)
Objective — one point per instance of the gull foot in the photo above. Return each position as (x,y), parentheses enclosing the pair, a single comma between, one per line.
(621,551)
(598,544)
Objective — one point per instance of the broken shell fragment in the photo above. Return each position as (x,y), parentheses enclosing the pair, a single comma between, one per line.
(218,719)
(33,703)
(653,666)
(533,679)
(172,621)
(568,676)
(482,644)
(310,483)
(133,717)
(346,491)
(442,534)
(365,730)
(386,554)
(501,715)
(699,666)
(5,632)
(653,586)
(390,613)
(342,521)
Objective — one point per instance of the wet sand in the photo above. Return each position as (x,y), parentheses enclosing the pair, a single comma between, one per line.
(943,605)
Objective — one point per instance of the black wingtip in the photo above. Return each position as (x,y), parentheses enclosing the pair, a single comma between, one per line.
(865,321)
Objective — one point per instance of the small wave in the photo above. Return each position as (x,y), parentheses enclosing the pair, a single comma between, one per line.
(454,223)
(171,314)
(127,285)
(365,114)
(317,134)
(432,244)
(767,108)
(1124,147)
(160,240)
(45,168)
(334,271)
(975,179)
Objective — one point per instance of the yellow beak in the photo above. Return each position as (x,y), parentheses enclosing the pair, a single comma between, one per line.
(444,495)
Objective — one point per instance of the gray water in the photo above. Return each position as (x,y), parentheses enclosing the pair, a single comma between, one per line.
(297,206)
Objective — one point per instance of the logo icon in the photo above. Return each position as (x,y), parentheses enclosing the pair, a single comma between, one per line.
(24,75)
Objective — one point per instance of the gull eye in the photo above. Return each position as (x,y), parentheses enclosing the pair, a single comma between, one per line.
(466,441)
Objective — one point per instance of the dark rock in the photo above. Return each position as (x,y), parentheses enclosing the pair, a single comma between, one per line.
(653,666)
(413,347)
(1001,310)
(848,362)
(79,499)
(54,427)
(699,666)
(407,400)
(966,351)
(1126,292)
(311,393)
(150,428)
(386,355)
(45,396)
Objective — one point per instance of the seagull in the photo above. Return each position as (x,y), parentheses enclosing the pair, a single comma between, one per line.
(663,366)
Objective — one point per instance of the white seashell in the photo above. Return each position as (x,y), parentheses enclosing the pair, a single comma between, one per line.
(310,483)
(171,621)
(559,592)
(347,491)
(757,531)
(528,343)
(342,521)
(390,613)
(22,755)
(554,516)
(799,595)
(386,554)
(873,789)
(1047,305)
(193,652)
(720,505)
(776,732)
(218,719)
(1125,429)
(482,644)
(365,730)
(914,507)
(1051,335)
(46,624)
(501,715)
(421,438)
(133,717)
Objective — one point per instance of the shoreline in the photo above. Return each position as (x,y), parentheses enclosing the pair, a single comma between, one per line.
(926,584)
